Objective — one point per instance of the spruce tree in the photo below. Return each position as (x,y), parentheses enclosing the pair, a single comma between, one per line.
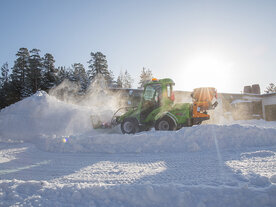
(127,80)
(49,72)
(4,80)
(7,94)
(145,77)
(62,74)
(124,80)
(271,88)
(110,79)
(98,65)
(2,97)
(4,74)
(119,82)
(80,76)
(19,73)
(34,74)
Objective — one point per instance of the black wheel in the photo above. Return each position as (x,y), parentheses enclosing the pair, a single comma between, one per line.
(200,122)
(197,121)
(130,126)
(165,124)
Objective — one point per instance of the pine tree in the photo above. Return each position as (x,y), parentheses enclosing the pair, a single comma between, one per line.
(110,79)
(80,76)
(124,80)
(2,96)
(119,82)
(127,80)
(62,74)
(145,77)
(4,81)
(4,74)
(71,75)
(98,65)
(19,73)
(49,72)
(7,94)
(271,88)
(34,74)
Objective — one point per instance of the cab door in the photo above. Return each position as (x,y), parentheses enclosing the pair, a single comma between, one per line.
(152,98)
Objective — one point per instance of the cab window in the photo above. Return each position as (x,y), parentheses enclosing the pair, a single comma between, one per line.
(169,90)
(151,92)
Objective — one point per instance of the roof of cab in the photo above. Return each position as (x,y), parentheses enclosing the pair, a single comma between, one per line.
(162,81)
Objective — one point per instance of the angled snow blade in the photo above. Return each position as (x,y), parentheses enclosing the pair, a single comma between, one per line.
(98,124)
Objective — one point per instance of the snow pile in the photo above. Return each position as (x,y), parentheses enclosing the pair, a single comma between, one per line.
(196,138)
(36,193)
(42,114)
(9,154)
(258,123)
(57,126)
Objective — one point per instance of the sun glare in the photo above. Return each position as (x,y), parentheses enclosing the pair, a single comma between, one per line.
(208,70)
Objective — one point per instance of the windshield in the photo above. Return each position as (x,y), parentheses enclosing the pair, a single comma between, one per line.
(152,91)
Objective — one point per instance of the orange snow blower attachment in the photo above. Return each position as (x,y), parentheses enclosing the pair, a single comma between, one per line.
(203,99)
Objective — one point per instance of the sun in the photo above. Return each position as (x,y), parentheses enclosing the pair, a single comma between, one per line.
(207,69)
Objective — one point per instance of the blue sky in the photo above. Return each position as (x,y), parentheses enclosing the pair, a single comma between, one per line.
(225,44)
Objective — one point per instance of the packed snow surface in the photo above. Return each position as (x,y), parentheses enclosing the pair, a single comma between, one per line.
(50,156)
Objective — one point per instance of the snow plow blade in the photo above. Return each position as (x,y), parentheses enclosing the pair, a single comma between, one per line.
(98,124)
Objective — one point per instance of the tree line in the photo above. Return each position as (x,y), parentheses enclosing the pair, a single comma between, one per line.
(271,88)
(32,72)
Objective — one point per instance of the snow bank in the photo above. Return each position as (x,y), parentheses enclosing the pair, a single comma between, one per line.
(35,193)
(258,123)
(196,138)
(57,126)
(42,114)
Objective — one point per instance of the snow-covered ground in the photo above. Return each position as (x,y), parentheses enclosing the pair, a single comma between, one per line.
(50,156)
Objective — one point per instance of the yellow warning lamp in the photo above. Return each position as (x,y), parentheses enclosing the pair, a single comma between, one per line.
(154,79)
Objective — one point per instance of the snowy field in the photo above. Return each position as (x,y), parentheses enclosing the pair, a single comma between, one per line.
(50,156)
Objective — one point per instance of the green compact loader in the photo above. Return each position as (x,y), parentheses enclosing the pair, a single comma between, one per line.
(157,109)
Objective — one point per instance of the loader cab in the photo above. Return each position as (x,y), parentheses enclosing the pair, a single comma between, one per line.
(157,93)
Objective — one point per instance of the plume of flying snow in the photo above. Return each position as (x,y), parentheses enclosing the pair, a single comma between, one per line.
(102,101)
